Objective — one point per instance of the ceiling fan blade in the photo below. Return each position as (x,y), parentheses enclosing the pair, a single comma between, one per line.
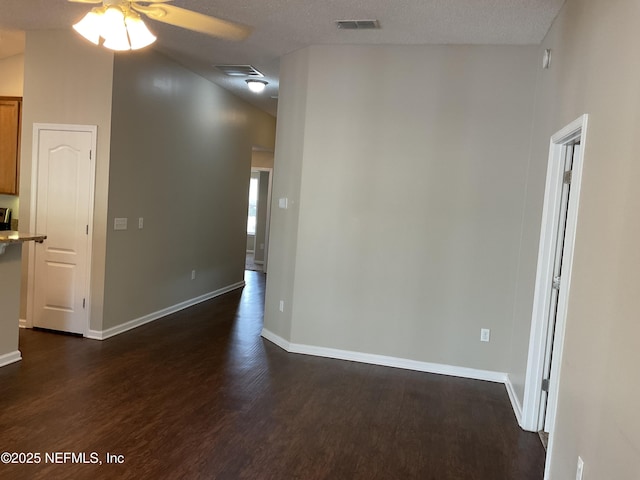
(198,22)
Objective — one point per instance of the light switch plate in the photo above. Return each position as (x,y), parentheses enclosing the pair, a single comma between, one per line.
(283,202)
(485,335)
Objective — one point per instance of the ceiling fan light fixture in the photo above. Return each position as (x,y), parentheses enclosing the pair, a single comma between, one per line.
(90,26)
(256,86)
(139,35)
(114,30)
(121,28)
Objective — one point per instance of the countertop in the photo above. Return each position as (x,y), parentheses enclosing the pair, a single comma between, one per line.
(11,236)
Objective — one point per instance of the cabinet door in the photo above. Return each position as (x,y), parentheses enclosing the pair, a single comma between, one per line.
(9,144)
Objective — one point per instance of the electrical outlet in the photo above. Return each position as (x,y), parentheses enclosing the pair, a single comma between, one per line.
(580,468)
(193,274)
(485,334)
(282,305)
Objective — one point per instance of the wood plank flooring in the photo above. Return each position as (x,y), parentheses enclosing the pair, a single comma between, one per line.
(199,395)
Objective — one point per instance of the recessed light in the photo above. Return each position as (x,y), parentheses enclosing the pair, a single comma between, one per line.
(256,86)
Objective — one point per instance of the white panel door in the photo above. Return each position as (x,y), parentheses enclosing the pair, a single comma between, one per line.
(63,203)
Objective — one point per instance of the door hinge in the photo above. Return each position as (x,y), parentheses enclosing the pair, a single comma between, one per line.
(87,229)
(556,283)
(566,179)
(90,154)
(84,302)
(545,385)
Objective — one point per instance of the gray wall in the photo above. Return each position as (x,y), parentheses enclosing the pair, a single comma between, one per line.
(404,237)
(180,158)
(594,71)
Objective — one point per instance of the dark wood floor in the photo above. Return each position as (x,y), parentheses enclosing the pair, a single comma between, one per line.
(199,394)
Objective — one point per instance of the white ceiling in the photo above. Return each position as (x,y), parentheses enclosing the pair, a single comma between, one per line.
(283,26)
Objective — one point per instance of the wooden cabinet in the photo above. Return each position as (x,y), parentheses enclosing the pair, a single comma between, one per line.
(10,119)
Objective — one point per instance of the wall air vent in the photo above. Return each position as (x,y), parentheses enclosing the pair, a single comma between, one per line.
(239,70)
(358,24)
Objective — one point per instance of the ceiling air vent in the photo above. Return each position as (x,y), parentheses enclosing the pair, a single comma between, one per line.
(358,24)
(239,70)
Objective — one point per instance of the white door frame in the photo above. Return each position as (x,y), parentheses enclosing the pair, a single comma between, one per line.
(573,133)
(268,222)
(31,264)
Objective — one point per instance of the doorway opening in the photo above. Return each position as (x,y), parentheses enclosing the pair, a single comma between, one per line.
(553,279)
(258,219)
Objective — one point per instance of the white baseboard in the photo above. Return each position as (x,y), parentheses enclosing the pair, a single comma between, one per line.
(442,369)
(277,339)
(130,325)
(515,402)
(8,358)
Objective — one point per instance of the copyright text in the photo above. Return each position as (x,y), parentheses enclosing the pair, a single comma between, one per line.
(90,458)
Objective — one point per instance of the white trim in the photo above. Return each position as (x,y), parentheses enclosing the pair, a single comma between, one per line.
(31,264)
(373,359)
(535,361)
(277,339)
(9,358)
(576,130)
(513,398)
(22,323)
(130,325)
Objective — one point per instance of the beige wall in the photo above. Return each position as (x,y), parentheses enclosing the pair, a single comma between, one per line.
(68,80)
(595,71)
(181,159)
(411,198)
(292,113)
(10,266)
(12,76)
(11,85)
(261,159)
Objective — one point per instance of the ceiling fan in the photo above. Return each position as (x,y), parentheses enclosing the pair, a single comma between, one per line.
(120,25)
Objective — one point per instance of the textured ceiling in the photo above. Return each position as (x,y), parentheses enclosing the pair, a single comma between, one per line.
(282,26)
